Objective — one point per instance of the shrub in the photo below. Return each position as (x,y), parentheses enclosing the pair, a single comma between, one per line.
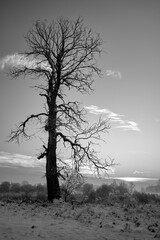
(87,188)
(72,184)
(27,188)
(142,198)
(103,192)
(41,188)
(89,193)
(122,188)
(4,187)
(15,188)
(64,193)
(91,196)
(41,196)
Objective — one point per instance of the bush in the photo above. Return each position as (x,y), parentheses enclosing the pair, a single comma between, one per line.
(87,188)
(91,196)
(27,188)
(122,189)
(103,192)
(41,196)
(142,198)
(71,185)
(5,187)
(89,193)
(65,194)
(15,188)
(10,196)
(41,188)
(25,192)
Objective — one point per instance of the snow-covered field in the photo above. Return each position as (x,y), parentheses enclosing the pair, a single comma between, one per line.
(62,221)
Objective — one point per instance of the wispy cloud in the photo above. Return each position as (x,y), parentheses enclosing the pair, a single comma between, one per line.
(9,160)
(114,74)
(21,60)
(19,160)
(118,119)
(129,125)
(138,172)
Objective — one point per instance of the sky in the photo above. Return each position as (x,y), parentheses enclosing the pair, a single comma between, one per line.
(127,94)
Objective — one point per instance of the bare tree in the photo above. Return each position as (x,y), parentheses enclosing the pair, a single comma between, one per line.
(63,54)
(73,181)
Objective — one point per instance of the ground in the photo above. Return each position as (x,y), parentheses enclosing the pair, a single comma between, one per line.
(63,221)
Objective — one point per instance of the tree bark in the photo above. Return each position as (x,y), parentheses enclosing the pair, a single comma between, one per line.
(53,187)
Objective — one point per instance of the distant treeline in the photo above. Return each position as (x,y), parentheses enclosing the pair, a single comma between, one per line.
(78,192)
(25,187)
(154,189)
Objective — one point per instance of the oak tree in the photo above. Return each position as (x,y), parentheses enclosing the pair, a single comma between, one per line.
(63,54)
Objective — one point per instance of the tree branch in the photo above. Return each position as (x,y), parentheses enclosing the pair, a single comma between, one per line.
(44,153)
(21,129)
(86,155)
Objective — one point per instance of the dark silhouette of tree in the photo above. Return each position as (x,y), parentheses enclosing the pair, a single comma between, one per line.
(63,55)
(5,187)
(15,188)
(103,192)
(87,188)
(89,193)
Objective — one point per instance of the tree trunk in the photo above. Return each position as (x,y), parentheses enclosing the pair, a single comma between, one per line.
(51,163)
(53,187)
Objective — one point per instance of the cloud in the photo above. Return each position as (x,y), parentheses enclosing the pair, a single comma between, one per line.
(95,110)
(9,160)
(114,74)
(138,172)
(20,60)
(19,160)
(129,125)
(114,117)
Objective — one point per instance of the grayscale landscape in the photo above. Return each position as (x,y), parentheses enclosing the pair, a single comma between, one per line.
(79,119)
